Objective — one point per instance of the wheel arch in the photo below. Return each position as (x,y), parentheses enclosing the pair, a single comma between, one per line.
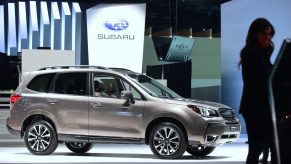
(158,120)
(34,118)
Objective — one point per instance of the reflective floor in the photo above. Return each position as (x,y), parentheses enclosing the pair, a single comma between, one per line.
(234,153)
(12,150)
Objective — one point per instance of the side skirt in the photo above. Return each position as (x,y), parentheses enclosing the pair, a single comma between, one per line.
(99,139)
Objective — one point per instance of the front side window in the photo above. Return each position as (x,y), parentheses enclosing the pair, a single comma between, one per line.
(134,92)
(106,86)
(71,83)
(41,83)
(111,87)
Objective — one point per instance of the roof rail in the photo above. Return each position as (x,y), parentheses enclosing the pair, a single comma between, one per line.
(72,66)
(120,69)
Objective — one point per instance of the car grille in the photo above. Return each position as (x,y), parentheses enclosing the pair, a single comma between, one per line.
(228,115)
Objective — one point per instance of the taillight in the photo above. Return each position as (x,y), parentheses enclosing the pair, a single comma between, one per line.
(14,98)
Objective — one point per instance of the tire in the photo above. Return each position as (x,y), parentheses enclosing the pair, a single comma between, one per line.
(199,150)
(167,141)
(41,138)
(79,147)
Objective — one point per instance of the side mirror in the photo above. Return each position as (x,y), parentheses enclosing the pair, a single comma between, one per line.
(128,96)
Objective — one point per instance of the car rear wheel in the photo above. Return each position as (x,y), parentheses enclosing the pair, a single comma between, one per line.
(199,150)
(41,138)
(167,141)
(79,147)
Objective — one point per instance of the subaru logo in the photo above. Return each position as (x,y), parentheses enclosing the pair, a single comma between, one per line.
(116,24)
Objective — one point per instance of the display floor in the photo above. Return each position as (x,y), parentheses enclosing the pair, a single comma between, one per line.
(12,150)
(233,153)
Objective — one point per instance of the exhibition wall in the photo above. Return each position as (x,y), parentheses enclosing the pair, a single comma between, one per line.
(35,24)
(33,60)
(236,17)
(205,56)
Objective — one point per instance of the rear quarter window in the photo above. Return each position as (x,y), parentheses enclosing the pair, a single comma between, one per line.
(41,83)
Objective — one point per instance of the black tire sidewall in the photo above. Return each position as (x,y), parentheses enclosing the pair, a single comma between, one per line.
(86,148)
(53,140)
(203,152)
(182,145)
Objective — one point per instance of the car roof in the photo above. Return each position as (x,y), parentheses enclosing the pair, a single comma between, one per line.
(82,68)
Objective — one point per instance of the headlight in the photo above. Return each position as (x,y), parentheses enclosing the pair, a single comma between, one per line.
(203,111)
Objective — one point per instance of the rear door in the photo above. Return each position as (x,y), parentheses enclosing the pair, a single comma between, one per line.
(67,103)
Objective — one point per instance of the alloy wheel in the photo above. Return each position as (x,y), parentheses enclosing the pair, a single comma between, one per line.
(39,138)
(77,145)
(166,141)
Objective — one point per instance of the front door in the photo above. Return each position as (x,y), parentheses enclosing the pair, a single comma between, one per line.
(109,115)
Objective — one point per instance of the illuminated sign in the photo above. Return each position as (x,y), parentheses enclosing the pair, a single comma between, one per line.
(116,35)
(116,24)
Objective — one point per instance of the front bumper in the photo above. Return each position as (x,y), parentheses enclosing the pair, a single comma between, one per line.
(231,133)
(218,133)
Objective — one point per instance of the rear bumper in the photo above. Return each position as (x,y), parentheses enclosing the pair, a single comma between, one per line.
(14,132)
(13,127)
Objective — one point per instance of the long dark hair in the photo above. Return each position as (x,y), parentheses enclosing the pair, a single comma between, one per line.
(257,26)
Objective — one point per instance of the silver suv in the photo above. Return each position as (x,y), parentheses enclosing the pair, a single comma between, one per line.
(81,105)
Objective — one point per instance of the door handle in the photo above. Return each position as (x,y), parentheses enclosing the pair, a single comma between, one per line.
(52,101)
(123,108)
(95,105)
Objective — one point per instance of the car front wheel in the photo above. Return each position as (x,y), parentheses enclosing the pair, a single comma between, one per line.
(79,147)
(167,141)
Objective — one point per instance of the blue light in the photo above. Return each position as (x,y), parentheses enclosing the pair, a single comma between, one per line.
(12,43)
(2,30)
(33,26)
(66,32)
(44,13)
(76,32)
(44,26)
(55,26)
(22,27)
(55,10)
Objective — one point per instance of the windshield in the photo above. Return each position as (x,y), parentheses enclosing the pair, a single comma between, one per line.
(153,87)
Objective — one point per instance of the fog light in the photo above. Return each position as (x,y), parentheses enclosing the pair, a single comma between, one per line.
(210,138)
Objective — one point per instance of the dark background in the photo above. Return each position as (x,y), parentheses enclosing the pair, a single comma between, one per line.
(180,15)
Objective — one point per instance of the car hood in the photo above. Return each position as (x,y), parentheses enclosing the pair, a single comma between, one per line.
(183,101)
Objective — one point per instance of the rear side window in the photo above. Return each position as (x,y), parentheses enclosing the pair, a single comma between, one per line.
(41,83)
(71,83)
